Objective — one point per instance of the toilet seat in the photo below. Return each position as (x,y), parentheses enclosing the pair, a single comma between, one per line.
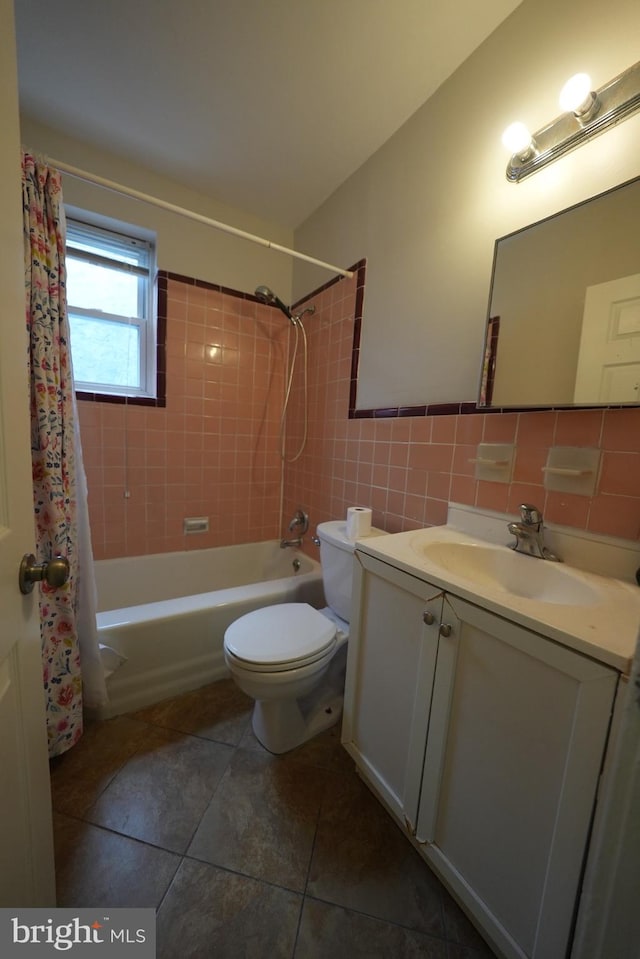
(282,637)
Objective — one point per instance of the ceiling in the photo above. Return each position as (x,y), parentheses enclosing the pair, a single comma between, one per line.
(266,105)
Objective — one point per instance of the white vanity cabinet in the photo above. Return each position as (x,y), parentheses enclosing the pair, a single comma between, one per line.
(393,644)
(486,741)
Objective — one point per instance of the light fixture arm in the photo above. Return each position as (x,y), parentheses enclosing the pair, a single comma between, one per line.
(612,103)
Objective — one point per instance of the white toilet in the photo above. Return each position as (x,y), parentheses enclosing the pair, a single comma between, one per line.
(291,658)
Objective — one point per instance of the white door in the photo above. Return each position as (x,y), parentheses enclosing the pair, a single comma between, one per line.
(609,358)
(26,847)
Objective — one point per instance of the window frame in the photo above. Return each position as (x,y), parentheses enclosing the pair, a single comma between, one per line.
(111,235)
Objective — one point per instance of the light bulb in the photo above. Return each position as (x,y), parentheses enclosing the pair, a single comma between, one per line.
(517,139)
(576,96)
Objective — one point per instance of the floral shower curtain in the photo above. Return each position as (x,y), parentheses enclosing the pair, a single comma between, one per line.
(70,652)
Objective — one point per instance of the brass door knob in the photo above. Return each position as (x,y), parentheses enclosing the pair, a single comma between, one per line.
(55,572)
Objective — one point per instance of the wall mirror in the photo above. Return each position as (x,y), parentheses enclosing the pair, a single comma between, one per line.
(563,326)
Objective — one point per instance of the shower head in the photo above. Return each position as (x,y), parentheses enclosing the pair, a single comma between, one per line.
(265,295)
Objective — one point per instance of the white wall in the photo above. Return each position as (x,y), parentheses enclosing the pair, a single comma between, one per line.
(426,209)
(183,246)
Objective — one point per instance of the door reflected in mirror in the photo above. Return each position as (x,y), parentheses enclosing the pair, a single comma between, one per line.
(563,324)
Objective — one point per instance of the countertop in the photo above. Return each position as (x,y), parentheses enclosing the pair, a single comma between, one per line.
(606,630)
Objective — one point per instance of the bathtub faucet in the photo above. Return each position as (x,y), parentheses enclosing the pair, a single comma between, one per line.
(299,522)
(296,541)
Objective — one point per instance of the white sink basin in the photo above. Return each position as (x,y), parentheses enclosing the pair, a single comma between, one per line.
(499,567)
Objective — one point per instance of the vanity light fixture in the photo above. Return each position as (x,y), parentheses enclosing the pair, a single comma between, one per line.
(586,113)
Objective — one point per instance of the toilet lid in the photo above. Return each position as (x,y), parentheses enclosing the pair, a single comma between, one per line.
(286,633)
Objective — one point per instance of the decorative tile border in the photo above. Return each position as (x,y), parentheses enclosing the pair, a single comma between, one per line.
(205,285)
(431,409)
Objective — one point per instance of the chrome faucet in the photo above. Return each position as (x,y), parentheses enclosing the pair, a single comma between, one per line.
(300,522)
(529,534)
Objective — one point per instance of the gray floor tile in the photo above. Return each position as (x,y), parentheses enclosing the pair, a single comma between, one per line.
(163,790)
(219,711)
(456,951)
(212,913)
(458,930)
(362,861)
(262,819)
(98,868)
(264,829)
(324,750)
(81,774)
(331,932)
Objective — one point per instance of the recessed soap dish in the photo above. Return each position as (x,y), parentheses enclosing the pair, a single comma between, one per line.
(572,469)
(494,462)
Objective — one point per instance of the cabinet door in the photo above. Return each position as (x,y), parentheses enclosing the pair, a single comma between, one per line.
(391,663)
(516,742)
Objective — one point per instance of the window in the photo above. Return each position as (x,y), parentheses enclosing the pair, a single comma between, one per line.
(109,300)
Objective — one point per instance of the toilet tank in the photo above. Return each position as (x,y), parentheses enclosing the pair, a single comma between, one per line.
(336,559)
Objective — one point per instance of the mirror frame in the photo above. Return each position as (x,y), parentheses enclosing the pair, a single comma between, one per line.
(492,327)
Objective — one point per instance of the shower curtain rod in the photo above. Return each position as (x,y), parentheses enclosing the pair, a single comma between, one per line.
(181,211)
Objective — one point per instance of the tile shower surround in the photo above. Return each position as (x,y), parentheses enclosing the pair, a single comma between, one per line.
(214,449)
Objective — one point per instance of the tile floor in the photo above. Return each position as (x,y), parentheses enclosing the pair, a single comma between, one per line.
(242,853)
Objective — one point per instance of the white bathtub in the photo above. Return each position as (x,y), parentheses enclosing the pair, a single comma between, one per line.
(167,613)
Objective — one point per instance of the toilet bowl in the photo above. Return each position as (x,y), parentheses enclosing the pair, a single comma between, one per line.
(291,658)
(286,658)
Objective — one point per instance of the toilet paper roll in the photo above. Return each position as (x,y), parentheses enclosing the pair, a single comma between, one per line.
(358,522)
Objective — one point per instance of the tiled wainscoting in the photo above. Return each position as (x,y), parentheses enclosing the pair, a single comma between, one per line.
(215,449)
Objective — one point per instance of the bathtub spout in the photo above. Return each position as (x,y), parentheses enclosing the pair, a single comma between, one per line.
(291,542)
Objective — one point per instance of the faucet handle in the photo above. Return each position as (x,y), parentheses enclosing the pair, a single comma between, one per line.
(531,515)
(300,521)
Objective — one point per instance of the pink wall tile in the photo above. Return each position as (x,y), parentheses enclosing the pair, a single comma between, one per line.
(214,449)
(440,458)
(528,465)
(443,429)
(620,473)
(439,485)
(170,459)
(468,430)
(579,428)
(621,430)
(463,456)
(567,509)
(536,429)
(500,427)
(493,496)
(520,493)
(464,490)
(615,516)
(435,512)
(438,452)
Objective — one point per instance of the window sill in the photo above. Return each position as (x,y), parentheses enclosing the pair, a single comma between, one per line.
(158,401)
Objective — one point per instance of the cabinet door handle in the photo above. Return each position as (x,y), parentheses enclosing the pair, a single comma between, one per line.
(445,629)
(428,618)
